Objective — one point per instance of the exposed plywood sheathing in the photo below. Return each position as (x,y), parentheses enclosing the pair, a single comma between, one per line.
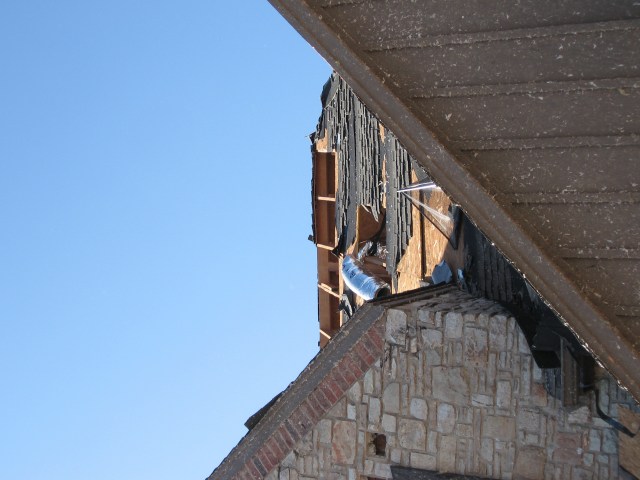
(526,114)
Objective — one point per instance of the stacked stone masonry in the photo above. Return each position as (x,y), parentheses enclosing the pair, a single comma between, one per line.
(456,390)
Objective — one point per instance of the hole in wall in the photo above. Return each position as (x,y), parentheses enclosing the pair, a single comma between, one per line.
(378,442)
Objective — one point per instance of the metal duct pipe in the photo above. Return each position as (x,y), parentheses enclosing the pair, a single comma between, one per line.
(362,282)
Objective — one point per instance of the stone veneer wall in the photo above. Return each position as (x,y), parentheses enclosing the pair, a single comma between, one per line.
(457,391)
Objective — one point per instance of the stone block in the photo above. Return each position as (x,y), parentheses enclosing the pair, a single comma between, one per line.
(568,448)
(539,396)
(581,415)
(587,459)
(310,465)
(368,467)
(343,444)
(481,400)
(382,470)
(351,411)
(339,410)
(446,418)
(289,461)
(447,454)
(503,394)
(396,328)
(482,320)
(432,338)
(377,383)
(423,461)
(497,332)
(453,325)
(388,423)
(272,476)
(425,317)
(355,393)
(391,398)
(581,474)
(450,384)
(284,474)
(374,410)
(531,439)
(418,408)
(324,431)
(529,420)
(530,463)
(499,428)
(432,341)
(610,441)
(486,450)
(432,442)
(368,382)
(464,431)
(475,347)
(412,434)
(396,455)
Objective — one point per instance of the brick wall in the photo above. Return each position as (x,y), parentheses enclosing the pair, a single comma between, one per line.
(457,391)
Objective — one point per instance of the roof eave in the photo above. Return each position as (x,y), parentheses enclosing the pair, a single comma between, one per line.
(588,320)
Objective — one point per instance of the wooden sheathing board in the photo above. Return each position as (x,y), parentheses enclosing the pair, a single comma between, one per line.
(324,208)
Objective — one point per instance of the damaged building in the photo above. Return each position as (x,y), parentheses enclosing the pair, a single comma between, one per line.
(477,237)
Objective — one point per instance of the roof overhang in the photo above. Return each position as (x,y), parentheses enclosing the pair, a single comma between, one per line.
(548,274)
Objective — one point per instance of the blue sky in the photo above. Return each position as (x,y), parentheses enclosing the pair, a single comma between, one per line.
(156,282)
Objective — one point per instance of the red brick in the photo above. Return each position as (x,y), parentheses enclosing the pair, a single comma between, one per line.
(293,432)
(286,438)
(366,358)
(322,400)
(347,368)
(314,413)
(261,460)
(294,422)
(378,327)
(300,416)
(276,448)
(338,378)
(306,414)
(262,471)
(315,404)
(376,338)
(251,469)
(357,365)
(336,389)
(371,347)
(328,392)
(270,460)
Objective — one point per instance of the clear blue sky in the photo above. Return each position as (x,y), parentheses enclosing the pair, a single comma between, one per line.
(156,282)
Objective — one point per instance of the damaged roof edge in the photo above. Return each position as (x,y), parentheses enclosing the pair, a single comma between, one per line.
(588,321)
